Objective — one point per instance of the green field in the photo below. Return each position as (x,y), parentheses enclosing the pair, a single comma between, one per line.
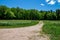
(52,28)
(17,23)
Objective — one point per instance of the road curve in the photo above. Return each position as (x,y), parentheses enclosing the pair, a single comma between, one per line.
(24,33)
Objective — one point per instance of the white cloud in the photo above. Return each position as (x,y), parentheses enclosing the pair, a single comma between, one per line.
(58,0)
(52,2)
(47,0)
(42,4)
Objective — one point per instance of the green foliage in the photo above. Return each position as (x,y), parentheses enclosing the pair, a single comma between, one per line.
(32,14)
(52,28)
(58,13)
(17,23)
(9,14)
(2,11)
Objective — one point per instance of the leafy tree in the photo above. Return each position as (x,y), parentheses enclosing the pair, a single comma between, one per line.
(32,14)
(9,14)
(2,11)
(58,13)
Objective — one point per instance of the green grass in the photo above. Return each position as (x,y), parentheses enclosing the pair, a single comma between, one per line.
(17,23)
(52,28)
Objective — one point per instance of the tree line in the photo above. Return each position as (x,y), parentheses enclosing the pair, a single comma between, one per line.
(17,13)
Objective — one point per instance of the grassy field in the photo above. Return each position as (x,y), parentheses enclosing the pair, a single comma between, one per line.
(52,28)
(17,23)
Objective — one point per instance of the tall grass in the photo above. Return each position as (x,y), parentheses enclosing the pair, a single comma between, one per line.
(53,29)
(16,23)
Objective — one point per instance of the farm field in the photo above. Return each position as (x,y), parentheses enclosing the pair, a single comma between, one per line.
(17,23)
(52,28)
(49,27)
(23,33)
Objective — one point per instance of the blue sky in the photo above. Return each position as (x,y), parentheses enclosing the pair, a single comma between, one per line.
(33,4)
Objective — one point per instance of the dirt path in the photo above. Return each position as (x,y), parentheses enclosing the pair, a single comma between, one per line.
(26,33)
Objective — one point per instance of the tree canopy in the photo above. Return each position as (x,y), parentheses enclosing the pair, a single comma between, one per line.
(32,14)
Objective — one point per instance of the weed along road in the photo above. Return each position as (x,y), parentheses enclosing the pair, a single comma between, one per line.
(23,33)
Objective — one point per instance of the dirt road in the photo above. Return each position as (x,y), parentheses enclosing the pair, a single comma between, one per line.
(24,33)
